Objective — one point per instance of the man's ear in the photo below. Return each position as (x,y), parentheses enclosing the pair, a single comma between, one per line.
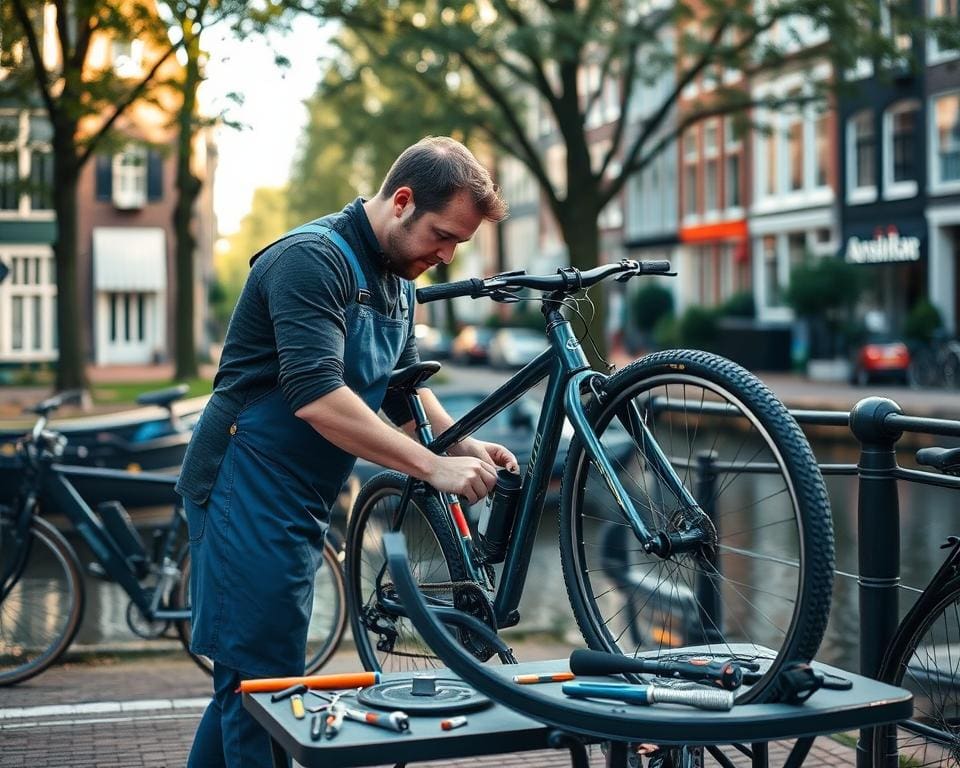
(402,198)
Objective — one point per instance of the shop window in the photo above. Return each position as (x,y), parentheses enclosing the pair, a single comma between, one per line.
(861,168)
(899,149)
(946,140)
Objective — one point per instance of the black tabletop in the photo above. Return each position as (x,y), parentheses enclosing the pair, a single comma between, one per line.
(497,729)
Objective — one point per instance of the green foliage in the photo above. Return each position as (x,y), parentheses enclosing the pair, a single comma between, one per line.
(698,329)
(651,303)
(739,305)
(922,321)
(826,285)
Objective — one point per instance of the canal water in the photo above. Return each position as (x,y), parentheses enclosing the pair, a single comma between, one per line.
(928,516)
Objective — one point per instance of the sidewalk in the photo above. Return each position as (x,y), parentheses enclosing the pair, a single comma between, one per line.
(126,712)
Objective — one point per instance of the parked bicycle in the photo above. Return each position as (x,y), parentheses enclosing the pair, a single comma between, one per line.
(753,556)
(936,364)
(42,583)
(924,657)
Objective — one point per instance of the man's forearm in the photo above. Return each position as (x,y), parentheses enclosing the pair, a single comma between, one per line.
(346,421)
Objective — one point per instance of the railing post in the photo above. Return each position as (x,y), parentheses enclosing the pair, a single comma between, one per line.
(878,530)
(708,597)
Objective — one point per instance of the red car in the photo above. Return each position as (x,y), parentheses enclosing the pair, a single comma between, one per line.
(881,359)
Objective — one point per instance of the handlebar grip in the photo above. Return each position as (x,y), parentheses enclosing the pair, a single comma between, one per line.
(654,267)
(471,287)
(587,662)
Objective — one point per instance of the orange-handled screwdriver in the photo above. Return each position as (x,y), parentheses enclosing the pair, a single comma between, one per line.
(320,682)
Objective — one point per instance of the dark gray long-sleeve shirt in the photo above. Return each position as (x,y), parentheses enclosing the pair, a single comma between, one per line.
(288,329)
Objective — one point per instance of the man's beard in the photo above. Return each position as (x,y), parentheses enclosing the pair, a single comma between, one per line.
(400,259)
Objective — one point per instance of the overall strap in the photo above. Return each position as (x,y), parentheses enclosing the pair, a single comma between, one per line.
(363,294)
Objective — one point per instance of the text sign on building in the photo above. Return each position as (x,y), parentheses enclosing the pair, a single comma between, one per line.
(886,246)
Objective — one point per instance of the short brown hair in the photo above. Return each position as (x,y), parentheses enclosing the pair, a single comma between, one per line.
(436,168)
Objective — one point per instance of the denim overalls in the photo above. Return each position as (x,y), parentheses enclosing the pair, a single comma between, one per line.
(255,546)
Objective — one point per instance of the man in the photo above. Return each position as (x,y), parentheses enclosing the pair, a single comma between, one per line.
(324,317)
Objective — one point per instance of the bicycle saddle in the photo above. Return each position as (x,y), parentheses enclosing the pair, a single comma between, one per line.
(163,397)
(413,375)
(947,460)
(46,407)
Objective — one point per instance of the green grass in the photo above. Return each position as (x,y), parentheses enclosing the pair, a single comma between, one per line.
(127,393)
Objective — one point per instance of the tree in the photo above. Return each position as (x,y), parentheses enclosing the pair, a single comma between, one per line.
(484,59)
(189,19)
(825,292)
(361,117)
(83,104)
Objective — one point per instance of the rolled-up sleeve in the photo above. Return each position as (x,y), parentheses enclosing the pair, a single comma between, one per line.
(306,290)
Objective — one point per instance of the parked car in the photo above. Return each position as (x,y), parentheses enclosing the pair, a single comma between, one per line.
(433,343)
(880,358)
(515,347)
(471,345)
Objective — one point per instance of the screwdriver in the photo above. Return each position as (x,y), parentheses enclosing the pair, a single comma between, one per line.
(393,721)
(726,674)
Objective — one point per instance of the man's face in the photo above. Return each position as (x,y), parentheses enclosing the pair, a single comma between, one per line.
(416,243)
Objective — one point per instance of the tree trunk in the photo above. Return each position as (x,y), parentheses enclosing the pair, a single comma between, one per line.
(72,357)
(582,235)
(188,190)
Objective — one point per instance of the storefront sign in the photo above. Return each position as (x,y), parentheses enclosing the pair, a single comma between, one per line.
(886,246)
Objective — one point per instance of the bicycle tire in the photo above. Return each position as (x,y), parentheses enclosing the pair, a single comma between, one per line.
(923,657)
(328,620)
(763,580)
(56,611)
(434,558)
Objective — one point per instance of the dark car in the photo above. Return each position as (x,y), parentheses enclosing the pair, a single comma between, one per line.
(880,358)
(472,345)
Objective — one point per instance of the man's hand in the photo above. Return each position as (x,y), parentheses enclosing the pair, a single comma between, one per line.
(491,453)
(467,476)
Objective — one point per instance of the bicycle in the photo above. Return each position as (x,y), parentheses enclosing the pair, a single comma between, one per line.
(753,557)
(924,657)
(42,582)
(936,363)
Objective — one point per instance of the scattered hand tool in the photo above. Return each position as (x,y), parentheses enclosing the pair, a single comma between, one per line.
(323,682)
(726,674)
(318,725)
(296,706)
(702,698)
(288,692)
(393,721)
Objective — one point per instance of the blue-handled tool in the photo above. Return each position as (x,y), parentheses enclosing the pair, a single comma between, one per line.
(702,698)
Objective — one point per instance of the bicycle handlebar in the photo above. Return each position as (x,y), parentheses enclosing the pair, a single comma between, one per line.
(566,280)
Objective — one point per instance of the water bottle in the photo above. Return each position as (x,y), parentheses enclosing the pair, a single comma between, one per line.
(496,519)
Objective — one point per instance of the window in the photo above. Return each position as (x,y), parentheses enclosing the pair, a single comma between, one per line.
(690,157)
(130,178)
(946,139)
(771,187)
(861,169)
(733,145)
(794,136)
(899,149)
(822,148)
(892,25)
(711,167)
(771,276)
(28,298)
(26,163)
(127,317)
(940,9)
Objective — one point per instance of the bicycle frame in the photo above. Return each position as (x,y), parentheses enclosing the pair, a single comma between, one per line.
(568,372)
(58,492)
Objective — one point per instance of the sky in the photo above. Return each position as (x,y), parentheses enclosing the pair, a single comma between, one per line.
(273,110)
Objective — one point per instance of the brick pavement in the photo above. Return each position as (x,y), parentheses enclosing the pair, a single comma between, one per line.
(160,737)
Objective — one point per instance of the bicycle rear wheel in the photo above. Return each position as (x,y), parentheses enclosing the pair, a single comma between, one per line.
(756,584)
(42,608)
(328,619)
(386,640)
(924,658)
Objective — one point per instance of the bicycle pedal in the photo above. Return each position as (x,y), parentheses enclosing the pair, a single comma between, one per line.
(97,570)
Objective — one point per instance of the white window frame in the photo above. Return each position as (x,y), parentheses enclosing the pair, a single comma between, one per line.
(936,54)
(896,190)
(45,291)
(691,158)
(936,185)
(130,181)
(23,147)
(857,195)
(712,154)
(732,147)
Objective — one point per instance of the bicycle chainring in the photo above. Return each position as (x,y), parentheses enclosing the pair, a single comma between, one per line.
(472,599)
